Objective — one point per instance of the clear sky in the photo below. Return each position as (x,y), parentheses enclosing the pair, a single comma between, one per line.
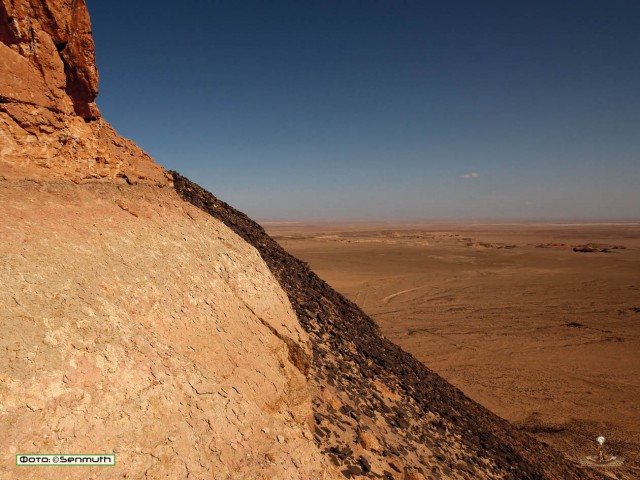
(378,110)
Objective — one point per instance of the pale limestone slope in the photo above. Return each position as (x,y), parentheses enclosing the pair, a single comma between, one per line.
(134,323)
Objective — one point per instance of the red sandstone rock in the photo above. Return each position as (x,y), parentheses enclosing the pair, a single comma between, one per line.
(368,442)
(50,126)
(53,32)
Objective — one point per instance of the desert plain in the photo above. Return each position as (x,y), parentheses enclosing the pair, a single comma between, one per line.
(545,336)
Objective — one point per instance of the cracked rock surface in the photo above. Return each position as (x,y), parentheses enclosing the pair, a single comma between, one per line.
(134,323)
(166,327)
(379,412)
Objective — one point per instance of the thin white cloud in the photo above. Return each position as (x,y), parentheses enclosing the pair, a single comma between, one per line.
(471,175)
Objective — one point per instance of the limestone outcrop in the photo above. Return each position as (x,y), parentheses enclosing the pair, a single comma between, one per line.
(135,324)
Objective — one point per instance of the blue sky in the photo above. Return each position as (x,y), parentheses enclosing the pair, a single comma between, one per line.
(380,110)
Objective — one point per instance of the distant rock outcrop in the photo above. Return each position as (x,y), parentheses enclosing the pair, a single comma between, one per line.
(553,245)
(597,248)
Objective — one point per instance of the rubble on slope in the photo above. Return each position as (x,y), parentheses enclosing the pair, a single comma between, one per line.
(378,411)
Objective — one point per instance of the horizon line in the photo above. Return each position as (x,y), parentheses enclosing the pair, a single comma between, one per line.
(476,221)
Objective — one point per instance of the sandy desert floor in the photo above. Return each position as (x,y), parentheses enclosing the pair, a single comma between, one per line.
(545,337)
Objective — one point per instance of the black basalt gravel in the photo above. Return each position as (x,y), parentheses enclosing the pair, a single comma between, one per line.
(341,333)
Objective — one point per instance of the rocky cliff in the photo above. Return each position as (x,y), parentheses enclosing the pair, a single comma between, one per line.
(142,316)
(51,127)
(132,322)
(379,412)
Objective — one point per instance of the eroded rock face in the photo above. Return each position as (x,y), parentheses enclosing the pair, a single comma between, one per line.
(49,123)
(379,412)
(38,30)
(134,323)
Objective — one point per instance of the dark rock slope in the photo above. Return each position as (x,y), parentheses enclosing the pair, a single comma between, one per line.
(379,412)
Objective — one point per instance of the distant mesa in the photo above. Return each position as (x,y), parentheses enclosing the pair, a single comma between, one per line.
(597,248)
(553,245)
(585,248)
(505,246)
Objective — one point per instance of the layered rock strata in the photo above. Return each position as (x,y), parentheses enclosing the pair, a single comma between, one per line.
(50,126)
